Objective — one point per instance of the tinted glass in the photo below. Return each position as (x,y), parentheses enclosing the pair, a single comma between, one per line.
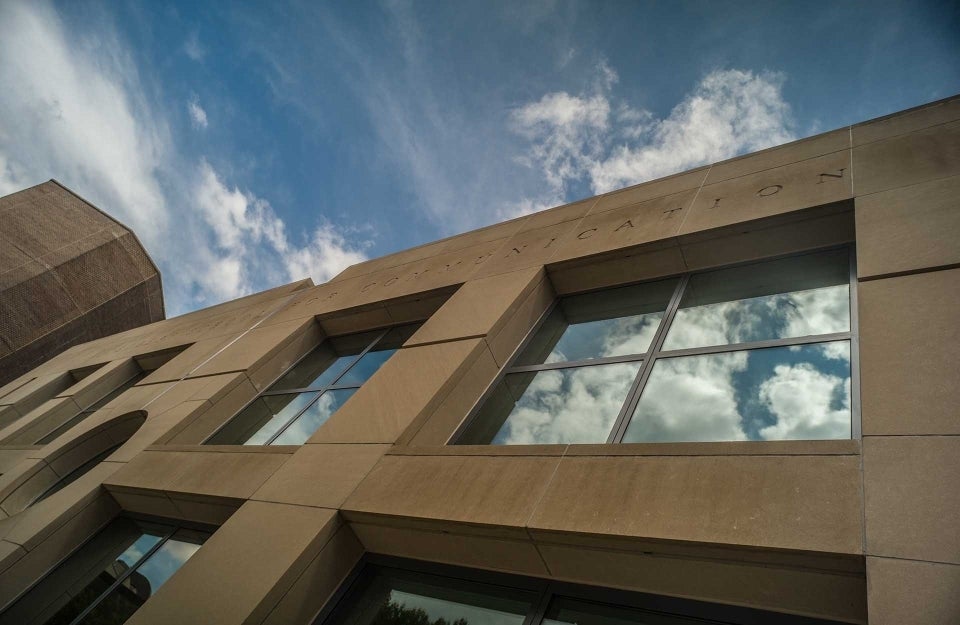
(365,367)
(390,598)
(576,405)
(313,417)
(317,368)
(261,419)
(799,392)
(564,611)
(617,322)
(134,546)
(787,298)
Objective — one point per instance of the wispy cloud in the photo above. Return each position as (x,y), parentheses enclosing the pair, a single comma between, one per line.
(212,240)
(192,47)
(596,138)
(198,116)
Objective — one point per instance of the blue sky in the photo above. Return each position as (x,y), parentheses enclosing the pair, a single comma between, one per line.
(252,144)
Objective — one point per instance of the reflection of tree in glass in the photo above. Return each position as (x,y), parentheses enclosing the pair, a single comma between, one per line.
(393,613)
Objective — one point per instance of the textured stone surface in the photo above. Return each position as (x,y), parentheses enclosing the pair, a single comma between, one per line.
(68,274)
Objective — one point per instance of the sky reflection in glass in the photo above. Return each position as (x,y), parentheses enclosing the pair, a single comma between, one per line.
(576,405)
(617,322)
(800,392)
(313,417)
(786,298)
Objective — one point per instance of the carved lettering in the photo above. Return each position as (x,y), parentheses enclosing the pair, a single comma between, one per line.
(417,274)
(839,174)
(771,190)
(549,243)
(367,287)
(670,211)
(515,251)
(716,202)
(391,280)
(626,224)
(330,297)
(450,266)
(588,233)
(481,259)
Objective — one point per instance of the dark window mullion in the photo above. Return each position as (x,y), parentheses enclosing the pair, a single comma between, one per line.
(741,347)
(124,576)
(585,362)
(295,417)
(633,397)
(361,355)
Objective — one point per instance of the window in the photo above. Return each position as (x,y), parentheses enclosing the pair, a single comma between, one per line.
(761,351)
(109,577)
(401,592)
(83,414)
(304,397)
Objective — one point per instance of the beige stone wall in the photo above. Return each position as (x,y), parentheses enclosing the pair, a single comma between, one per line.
(856,531)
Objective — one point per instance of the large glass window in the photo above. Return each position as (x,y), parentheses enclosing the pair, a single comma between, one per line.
(760,351)
(416,593)
(110,577)
(297,404)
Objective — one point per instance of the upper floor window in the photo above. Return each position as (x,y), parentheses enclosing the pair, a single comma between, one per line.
(760,351)
(304,397)
(97,405)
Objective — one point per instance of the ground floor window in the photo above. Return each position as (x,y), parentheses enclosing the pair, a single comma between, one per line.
(390,591)
(110,577)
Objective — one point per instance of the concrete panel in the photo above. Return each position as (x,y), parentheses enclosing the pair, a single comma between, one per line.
(476,490)
(908,229)
(415,380)
(905,591)
(615,270)
(919,156)
(530,248)
(649,190)
(496,554)
(255,347)
(628,226)
(908,339)
(791,502)
(101,382)
(796,591)
(321,475)
(911,120)
(436,427)
(478,307)
(911,498)
(215,473)
(505,338)
(189,359)
(771,192)
(200,425)
(795,151)
(253,561)
(322,577)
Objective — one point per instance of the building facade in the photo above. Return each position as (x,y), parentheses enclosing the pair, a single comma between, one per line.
(69,274)
(727,395)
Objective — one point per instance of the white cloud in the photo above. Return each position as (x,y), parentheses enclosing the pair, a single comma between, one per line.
(593,138)
(801,397)
(80,118)
(197,115)
(193,49)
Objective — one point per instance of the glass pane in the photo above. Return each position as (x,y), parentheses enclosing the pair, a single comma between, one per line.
(787,298)
(576,405)
(390,598)
(261,419)
(365,367)
(799,392)
(318,368)
(135,544)
(563,611)
(313,417)
(595,325)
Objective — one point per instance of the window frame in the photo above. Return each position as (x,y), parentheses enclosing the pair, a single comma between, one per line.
(548,590)
(655,352)
(172,527)
(319,390)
